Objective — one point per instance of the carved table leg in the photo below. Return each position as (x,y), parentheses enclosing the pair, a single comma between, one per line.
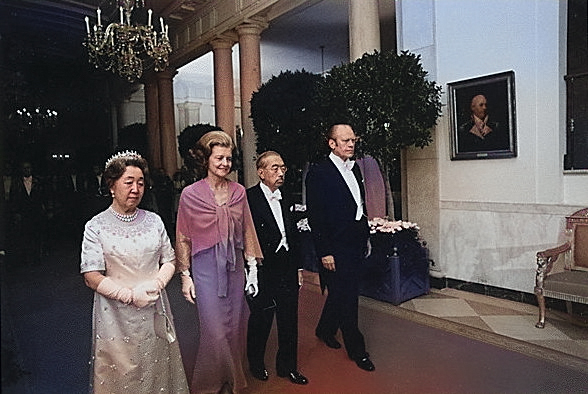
(541,302)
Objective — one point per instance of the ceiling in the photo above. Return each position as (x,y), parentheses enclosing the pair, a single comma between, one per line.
(43,62)
(55,28)
(52,31)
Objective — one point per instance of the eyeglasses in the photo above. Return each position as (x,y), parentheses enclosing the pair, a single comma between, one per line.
(276,167)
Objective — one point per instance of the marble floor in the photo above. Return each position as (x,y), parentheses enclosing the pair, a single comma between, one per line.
(564,333)
(462,342)
(466,313)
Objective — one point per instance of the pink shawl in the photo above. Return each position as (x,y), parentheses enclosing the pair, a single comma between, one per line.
(227,227)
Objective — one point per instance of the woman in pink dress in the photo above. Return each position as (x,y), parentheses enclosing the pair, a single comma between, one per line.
(127,259)
(215,238)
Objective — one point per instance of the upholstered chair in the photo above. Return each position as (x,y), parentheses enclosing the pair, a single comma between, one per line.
(562,272)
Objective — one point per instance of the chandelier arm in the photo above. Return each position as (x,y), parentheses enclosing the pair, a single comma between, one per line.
(127,49)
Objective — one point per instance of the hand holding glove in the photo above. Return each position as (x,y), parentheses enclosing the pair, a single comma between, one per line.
(252,287)
(111,290)
(145,293)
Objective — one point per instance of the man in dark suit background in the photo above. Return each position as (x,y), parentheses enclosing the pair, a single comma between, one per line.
(336,214)
(28,204)
(97,195)
(280,275)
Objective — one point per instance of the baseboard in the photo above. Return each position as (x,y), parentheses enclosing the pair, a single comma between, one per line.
(508,294)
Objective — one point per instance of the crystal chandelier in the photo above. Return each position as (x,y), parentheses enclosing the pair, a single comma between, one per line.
(127,48)
(38,118)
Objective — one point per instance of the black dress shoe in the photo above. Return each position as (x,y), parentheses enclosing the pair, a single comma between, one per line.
(259,373)
(330,342)
(294,376)
(365,364)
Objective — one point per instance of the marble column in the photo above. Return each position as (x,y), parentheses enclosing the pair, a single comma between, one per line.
(364,36)
(188,114)
(250,75)
(152,119)
(169,150)
(224,94)
(364,28)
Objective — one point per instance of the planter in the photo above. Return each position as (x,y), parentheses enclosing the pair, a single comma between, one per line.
(397,269)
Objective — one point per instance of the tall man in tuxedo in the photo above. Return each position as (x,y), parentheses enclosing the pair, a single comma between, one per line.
(280,275)
(336,215)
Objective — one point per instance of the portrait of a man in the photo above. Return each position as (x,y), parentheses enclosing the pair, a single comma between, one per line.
(483,117)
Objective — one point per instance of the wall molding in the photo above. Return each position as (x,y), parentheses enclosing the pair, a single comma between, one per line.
(501,207)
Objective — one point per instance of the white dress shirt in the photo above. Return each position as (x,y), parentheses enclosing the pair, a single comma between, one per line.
(273,198)
(345,168)
(28,183)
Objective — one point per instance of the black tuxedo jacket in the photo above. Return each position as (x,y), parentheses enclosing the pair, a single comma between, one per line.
(29,205)
(331,210)
(268,232)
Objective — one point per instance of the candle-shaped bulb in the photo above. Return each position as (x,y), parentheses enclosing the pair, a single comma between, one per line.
(149,12)
(87,25)
(99,12)
(162,25)
(166,31)
(121,16)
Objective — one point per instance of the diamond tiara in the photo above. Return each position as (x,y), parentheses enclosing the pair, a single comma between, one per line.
(128,154)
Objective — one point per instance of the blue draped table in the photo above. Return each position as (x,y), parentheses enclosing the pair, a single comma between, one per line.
(396,271)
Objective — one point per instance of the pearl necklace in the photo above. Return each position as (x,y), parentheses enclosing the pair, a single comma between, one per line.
(124,218)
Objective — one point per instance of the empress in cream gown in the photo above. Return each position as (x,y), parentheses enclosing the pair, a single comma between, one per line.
(127,355)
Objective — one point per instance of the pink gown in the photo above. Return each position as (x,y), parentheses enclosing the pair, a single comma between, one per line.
(219,236)
(127,355)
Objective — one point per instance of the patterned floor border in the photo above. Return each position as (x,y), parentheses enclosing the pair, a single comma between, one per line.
(478,334)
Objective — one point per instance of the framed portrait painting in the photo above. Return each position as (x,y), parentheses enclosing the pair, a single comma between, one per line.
(483,124)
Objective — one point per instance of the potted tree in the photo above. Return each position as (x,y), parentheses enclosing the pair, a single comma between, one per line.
(284,115)
(389,101)
(392,105)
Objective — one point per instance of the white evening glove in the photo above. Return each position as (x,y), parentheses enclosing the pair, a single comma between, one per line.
(368,249)
(111,290)
(251,287)
(145,293)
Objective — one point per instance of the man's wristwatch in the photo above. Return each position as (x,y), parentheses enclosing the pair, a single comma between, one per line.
(185,273)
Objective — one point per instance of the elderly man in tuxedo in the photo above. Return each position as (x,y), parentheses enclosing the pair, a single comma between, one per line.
(280,276)
(336,215)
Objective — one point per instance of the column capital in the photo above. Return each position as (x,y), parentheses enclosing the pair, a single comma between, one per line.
(224,41)
(168,73)
(151,76)
(253,26)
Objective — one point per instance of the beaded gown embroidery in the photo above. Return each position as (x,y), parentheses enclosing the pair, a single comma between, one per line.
(127,355)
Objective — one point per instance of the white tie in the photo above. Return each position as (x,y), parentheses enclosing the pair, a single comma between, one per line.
(277,195)
(349,164)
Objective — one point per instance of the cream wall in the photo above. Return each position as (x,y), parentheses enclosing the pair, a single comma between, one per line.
(489,217)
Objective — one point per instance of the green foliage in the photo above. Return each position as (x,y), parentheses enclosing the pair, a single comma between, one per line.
(133,137)
(284,119)
(387,99)
(283,114)
(384,96)
(189,137)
